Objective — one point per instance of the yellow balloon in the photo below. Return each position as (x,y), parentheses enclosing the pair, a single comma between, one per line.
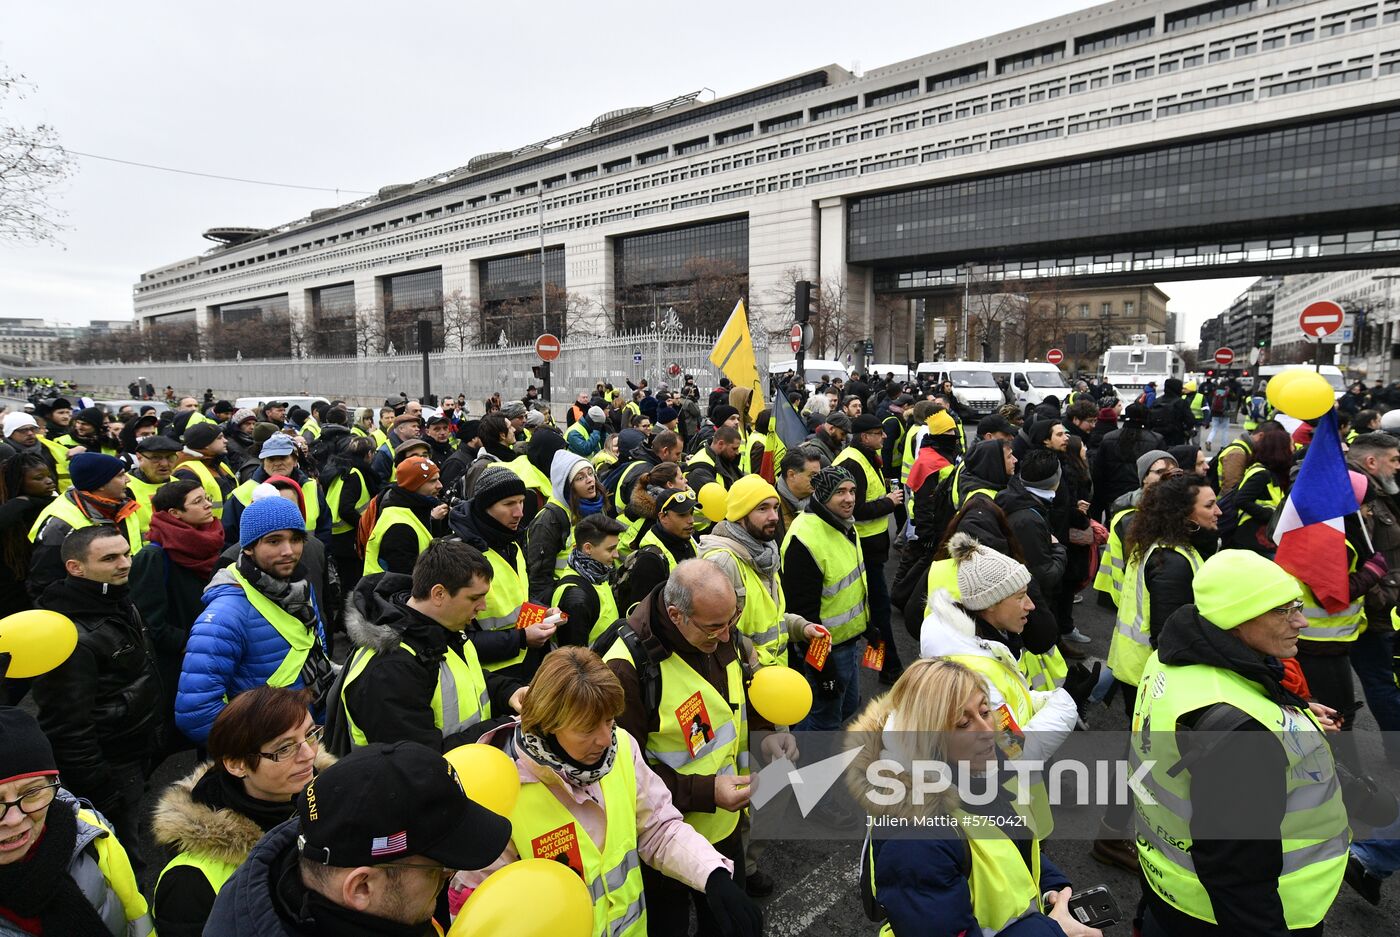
(714,501)
(487,775)
(37,641)
(528,898)
(781,695)
(1307,396)
(1274,391)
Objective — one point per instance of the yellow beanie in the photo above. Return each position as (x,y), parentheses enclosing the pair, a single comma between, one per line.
(746,494)
(1234,586)
(940,422)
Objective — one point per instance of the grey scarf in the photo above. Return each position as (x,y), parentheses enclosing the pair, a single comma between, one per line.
(547,752)
(798,504)
(293,596)
(764,555)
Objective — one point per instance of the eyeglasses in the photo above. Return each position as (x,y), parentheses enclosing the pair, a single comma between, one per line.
(291,749)
(31,801)
(1289,610)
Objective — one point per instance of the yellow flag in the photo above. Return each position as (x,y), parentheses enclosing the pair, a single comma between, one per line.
(733,355)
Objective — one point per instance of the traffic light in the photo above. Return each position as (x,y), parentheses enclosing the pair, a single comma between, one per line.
(802,300)
(1263,342)
(538,371)
(1210,372)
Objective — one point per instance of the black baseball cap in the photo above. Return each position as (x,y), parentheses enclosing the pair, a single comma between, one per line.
(385,802)
(677,501)
(440,419)
(158,443)
(994,423)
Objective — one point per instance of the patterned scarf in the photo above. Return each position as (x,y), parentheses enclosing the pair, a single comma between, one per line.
(589,568)
(547,752)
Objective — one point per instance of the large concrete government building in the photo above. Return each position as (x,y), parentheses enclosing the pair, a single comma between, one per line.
(1137,140)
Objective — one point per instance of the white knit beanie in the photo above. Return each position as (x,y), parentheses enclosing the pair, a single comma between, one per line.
(985,577)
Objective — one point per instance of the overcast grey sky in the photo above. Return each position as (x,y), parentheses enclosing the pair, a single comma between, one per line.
(358,95)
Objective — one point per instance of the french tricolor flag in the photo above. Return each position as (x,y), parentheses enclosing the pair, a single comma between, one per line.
(1309,533)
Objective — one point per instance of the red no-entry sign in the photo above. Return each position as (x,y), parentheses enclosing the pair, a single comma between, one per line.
(1321,318)
(1054,356)
(548,346)
(1224,357)
(795,338)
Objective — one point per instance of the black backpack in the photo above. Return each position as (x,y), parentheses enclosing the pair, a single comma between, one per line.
(620,578)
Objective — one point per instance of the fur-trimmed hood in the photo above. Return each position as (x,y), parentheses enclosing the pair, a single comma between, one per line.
(183,824)
(372,618)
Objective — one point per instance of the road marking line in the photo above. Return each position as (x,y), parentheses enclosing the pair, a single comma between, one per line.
(792,912)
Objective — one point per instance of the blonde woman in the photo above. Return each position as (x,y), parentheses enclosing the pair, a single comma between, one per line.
(974,878)
(588,799)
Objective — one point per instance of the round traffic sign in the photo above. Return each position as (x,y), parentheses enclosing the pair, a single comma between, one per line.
(673,369)
(1224,357)
(548,346)
(1054,356)
(1321,318)
(795,338)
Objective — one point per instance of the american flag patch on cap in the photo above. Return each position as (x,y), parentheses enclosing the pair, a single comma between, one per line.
(389,845)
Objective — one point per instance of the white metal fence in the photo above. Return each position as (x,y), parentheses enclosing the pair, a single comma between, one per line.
(367,381)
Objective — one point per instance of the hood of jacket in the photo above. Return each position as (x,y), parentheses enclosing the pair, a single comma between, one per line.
(949,631)
(182,823)
(559,469)
(1129,499)
(985,463)
(1187,638)
(375,616)
(1015,497)
(544,442)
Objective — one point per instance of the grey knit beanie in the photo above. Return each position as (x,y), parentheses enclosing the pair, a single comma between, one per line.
(1144,462)
(985,577)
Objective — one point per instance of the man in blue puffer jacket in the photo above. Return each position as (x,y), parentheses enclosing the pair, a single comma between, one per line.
(262,623)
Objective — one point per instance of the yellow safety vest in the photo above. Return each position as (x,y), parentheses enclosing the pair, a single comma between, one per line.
(311,427)
(1315,834)
(244,494)
(380,437)
(703,457)
(1109,578)
(874,491)
(699,730)
(845,609)
(300,639)
(650,539)
(143,492)
(1345,626)
(459,699)
(1002,888)
(561,559)
(510,588)
(898,449)
(906,446)
(607,604)
(59,454)
(216,872)
(387,518)
(1131,643)
(1274,498)
(339,526)
(542,828)
(208,482)
(762,618)
(65,510)
(115,866)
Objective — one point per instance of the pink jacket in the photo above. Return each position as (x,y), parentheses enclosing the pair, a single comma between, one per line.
(664,840)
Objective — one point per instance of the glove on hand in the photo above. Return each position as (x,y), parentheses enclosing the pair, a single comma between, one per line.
(735,913)
(1080,681)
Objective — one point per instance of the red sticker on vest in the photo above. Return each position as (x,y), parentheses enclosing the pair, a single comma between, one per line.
(561,845)
(695,724)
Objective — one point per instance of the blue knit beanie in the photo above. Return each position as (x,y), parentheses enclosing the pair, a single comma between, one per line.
(91,470)
(263,517)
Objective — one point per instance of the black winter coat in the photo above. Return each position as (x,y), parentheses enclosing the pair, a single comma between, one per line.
(1029,518)
(1114,470)
(104,704)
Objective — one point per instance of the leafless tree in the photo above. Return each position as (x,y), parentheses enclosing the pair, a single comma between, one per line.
(32,164)
(369,330)
(835,327)
(267,336)
(458,316)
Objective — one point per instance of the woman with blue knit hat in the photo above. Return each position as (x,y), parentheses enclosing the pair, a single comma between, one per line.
(1247,833)
(262,622)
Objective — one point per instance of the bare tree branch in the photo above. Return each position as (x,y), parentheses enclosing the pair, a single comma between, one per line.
(32,163)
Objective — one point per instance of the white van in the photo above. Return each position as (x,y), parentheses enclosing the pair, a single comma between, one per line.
(252,403)
(815,370)
(1331,372)
(1030,381)
(900,372)
(972,382)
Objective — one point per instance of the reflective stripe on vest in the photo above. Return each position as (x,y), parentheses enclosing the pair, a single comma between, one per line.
(1111,564)
(1344,626)
(300,639)
(1046,671)
(762,618)
(844,604)
(509,590)
(205,476)
(1131,643)
(387,518)
(333,501)
(459,699)
(1274,498)
(874,491)
(543,828)
(65,510)
(1314,835)
(700,731)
